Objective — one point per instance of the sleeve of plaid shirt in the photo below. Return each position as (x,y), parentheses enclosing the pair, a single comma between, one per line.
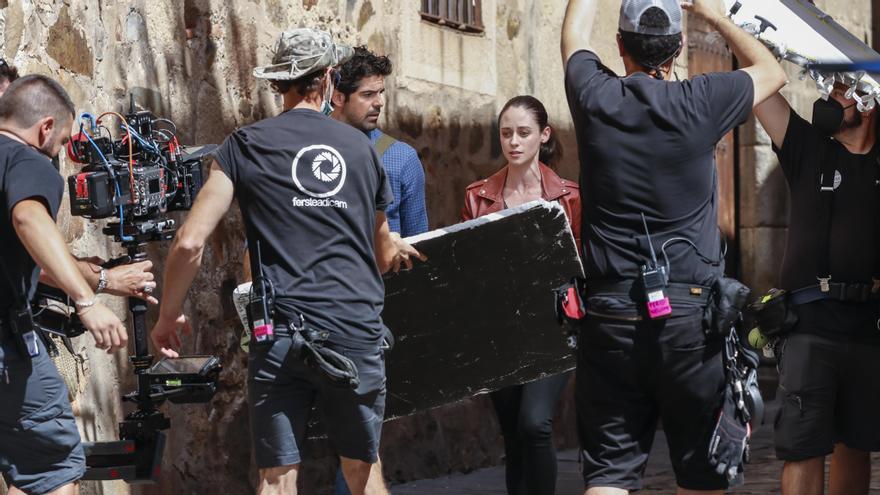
(413,213)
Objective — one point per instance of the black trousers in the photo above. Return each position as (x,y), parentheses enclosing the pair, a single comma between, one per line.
(632,375)
(525,413)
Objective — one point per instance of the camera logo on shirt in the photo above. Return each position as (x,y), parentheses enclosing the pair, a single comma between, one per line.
(319,171)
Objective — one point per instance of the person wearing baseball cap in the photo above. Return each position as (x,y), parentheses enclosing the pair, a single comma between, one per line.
(646,142)
(312,193)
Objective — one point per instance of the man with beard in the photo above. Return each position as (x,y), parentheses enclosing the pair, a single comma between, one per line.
(40,449)
(358,101)
(830,359)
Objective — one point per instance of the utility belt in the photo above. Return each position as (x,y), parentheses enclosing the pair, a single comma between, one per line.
(691,294)
(722,303)
(837,291)
(775,313)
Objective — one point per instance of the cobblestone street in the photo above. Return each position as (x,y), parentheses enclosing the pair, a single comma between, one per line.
(762,475)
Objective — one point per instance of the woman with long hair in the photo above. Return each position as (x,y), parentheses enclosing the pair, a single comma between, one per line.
(525,412)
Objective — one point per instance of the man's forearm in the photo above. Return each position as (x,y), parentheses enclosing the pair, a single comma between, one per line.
(577,27)
(89,271)
(181,267)
(42,240)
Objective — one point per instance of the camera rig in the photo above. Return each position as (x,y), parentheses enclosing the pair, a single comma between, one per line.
(137,179)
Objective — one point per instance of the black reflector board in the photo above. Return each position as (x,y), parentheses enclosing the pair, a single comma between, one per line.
(478,315)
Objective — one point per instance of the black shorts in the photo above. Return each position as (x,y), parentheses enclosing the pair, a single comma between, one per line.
(829,388)
(282,390)
(629,376)
(40,448)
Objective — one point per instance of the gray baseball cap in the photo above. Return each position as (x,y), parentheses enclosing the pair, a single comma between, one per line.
(302,51)
(631,17)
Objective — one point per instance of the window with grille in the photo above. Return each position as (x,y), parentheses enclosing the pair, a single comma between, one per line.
(459,14)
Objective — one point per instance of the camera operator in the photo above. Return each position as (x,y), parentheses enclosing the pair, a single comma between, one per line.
(40,450)
(312,193)
(829,360)
(646,145)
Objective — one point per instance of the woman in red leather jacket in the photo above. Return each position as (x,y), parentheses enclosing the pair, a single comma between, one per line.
(525,412)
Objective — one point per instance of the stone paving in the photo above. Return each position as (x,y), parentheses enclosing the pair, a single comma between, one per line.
(762,475)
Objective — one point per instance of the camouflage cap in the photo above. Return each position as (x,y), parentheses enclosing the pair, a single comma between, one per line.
(302,51)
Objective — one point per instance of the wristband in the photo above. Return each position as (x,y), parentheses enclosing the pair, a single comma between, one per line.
(102,281)
(85,304)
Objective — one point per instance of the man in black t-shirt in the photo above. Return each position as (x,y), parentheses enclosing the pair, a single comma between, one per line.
(830,360)
(646,145)
(40,449)
(312,193)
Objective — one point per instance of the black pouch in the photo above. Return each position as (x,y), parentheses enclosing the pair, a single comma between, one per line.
(773,314)
(726,303)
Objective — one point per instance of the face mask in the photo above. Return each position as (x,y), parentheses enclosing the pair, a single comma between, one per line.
(326,108)
(828,115)
(56,163)
(326,105)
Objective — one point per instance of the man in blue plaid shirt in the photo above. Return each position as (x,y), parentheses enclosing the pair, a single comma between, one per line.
(358,101)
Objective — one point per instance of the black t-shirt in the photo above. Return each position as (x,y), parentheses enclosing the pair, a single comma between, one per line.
(855,205)
(24,174)
(647,146)
(853,242)
(309,188)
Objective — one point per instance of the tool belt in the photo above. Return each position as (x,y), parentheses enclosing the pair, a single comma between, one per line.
(722,303)
(678,293)
(309,346)
(837,291)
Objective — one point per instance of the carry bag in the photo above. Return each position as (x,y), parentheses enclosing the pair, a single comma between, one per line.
(773,314)
(571,308)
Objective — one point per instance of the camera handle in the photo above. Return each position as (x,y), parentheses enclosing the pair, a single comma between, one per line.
(137,455)
(141,360)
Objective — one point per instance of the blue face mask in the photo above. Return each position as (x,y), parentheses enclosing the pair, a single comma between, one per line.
(326,105)
(326,108)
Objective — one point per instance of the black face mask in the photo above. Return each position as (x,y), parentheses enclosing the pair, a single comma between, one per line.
(828,115)
(56,162)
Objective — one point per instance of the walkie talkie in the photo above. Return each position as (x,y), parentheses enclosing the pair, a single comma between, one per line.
(21,323)
(654,281)
(260,302)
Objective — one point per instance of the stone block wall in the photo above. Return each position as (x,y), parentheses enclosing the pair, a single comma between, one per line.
(191,61)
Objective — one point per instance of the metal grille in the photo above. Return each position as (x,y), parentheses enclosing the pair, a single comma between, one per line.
(465,15)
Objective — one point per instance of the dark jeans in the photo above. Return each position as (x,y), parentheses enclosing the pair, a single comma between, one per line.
(525,413)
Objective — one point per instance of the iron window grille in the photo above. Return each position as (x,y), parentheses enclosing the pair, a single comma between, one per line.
(465,15)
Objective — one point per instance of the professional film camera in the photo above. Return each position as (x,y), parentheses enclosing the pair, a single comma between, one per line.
(137,179)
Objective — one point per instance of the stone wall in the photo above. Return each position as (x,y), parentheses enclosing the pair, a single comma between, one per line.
(763,193)
(190,60)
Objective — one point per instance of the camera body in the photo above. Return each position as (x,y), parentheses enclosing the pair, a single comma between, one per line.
(139,177)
